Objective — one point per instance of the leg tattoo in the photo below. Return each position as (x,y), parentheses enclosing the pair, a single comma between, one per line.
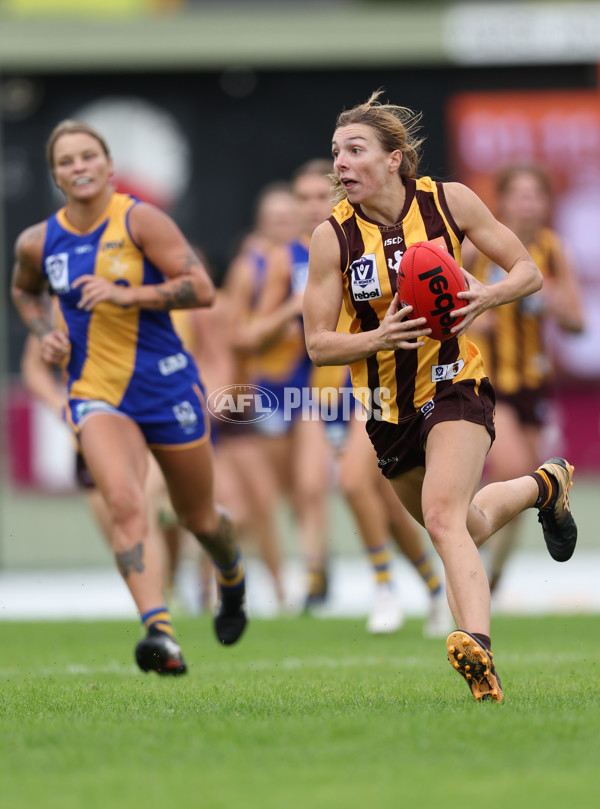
(132,560)
(221,545)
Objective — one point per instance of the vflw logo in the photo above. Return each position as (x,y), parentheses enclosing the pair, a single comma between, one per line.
(57,269)
(364,278)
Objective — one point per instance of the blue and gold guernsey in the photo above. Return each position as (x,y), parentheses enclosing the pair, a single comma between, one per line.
(398,384)
(286,370)
(128,361)
(286,361)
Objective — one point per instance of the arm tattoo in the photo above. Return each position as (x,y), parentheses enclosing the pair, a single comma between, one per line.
(132,560)
(34,311)
(28,283)
(178,294)
(27,274)
(190,260)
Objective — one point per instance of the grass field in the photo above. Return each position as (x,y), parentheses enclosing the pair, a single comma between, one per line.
(302,713)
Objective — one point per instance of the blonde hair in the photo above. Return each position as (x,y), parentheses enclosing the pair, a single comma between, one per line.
(69,127)
(395,127)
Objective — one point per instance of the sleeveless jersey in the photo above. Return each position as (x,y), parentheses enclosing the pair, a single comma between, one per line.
(128,357)
(513,350)
(259,262)
(397,384)
(325,376)
(277,362)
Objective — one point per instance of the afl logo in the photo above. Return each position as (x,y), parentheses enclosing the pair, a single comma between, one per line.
(242,403)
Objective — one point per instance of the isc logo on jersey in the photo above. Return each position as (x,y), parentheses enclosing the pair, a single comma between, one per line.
(364,279)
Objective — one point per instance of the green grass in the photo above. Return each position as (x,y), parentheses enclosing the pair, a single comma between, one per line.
(303,713)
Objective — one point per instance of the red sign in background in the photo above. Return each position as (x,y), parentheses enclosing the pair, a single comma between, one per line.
(559,130)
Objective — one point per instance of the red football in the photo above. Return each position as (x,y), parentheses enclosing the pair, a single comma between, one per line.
(428,280)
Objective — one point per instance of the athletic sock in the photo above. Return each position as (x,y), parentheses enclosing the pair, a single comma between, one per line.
(381,561)
(159,620)
(547,486)
(232,579)
(426,571)
(483,639)
(316,569)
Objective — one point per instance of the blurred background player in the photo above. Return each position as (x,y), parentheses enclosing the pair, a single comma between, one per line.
(244,482)
(512,340)
(297,444)
(246,473)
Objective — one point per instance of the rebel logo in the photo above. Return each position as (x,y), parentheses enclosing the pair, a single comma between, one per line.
(364,279)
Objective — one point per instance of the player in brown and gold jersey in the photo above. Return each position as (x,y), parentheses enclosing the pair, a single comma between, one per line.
(511,338)
(430,403)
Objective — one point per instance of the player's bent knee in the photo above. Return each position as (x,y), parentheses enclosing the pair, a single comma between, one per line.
(351,486)
(200,523)
(311,494)
(442,527)
(125,503)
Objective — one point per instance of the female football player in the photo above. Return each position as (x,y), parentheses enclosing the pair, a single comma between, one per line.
(118,266)
(431,437)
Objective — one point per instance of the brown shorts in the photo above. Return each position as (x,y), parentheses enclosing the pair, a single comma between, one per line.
(530,404)
(401,447)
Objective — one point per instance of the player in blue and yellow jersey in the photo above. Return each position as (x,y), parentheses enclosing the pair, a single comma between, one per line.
(430,403)
(512,338)
(297,444)
(245,469)
(118,266)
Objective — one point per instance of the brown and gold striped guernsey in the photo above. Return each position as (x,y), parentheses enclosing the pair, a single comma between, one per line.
(513,346)
(400,382)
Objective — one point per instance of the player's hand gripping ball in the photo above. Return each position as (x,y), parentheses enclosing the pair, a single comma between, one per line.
(428,280)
